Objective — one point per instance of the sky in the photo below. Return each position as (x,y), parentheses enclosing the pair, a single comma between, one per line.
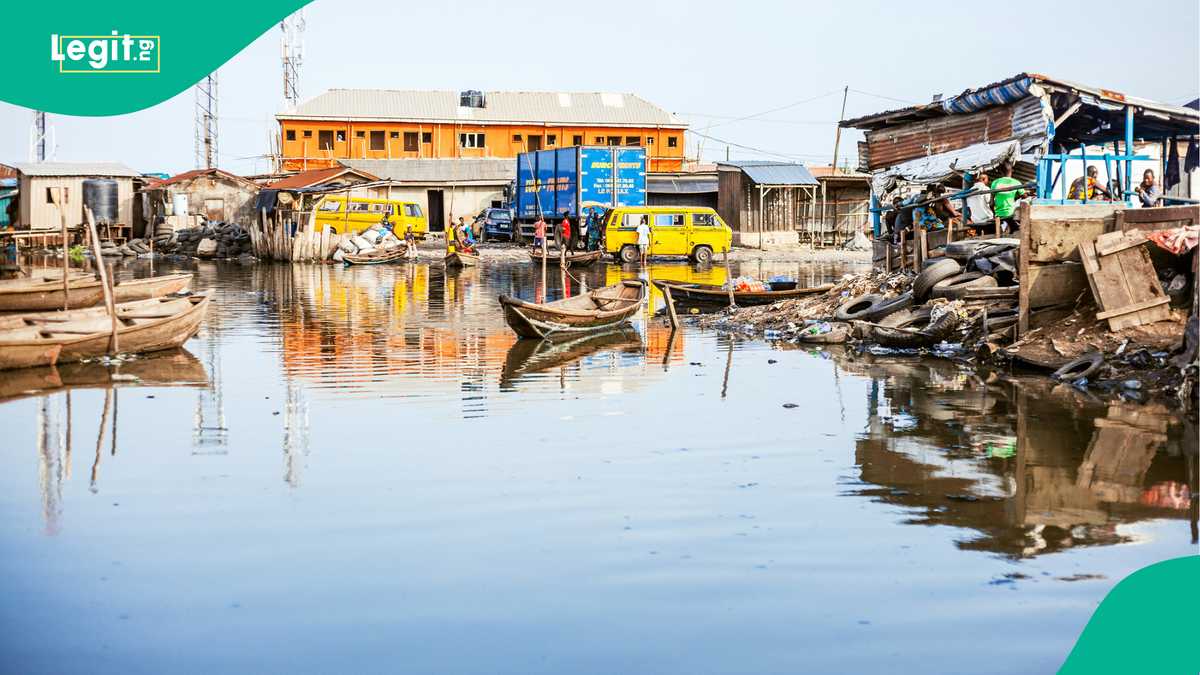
(783,65)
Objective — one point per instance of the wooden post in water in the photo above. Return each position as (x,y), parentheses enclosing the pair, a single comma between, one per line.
(104,280)
(671,309)
(56,193)
(728,277)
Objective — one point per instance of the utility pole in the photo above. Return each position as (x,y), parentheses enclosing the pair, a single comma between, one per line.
(37,137)
(205,142)
(837,141)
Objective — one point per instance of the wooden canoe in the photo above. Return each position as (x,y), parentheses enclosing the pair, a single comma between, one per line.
(460,259)
(715,295)
(572,259)
(46,292)
(151,287)
(598,310)
(377,257)
(144,326)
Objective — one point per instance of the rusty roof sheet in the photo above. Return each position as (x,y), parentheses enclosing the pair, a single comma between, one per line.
(315,177)
(197,173)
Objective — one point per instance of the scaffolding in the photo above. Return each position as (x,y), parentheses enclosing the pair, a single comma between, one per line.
(205,142)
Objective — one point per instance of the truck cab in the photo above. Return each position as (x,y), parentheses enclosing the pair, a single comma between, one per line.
(696,232)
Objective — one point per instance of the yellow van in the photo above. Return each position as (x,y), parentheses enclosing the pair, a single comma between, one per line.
(693,231)
(364,212)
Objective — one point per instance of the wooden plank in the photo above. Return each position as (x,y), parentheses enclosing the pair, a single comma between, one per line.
(1103,210)
(1053,284)
(1056,240)
(1145,304)
(1162,214)
(1023,216)
(1141,283)
(1114,242)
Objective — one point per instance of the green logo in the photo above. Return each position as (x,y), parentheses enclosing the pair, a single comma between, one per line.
(113,53)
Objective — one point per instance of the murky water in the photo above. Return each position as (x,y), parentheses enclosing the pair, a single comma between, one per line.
(359,470)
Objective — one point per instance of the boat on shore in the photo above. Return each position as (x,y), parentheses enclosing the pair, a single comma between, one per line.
(131,290)
(460,259)
(578,259)
(711,294)
(48,338)
(597,310)
(377,257)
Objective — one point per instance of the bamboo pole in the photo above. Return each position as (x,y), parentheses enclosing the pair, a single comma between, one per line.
(104,280)
(728,277)
(62,216)
(671,309)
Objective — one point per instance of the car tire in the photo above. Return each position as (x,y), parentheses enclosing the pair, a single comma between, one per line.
(1079,368)
(702,255)
(932,275)
(871,307)
(953,288)
(629,254)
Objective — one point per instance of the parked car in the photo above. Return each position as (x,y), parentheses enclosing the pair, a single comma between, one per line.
(492,224)
(693,231)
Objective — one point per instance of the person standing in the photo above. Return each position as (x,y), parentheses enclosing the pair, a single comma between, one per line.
(979,207)
(539,234)
(1148,191)
(593,232)
(643,238)
(1004,204)
(564,232)
(1088,183)
(410,241)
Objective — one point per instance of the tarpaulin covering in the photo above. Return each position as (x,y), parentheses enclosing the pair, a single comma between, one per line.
(991,96)
(937,168)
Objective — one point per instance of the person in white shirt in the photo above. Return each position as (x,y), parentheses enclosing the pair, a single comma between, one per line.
(979,205)
(643,232)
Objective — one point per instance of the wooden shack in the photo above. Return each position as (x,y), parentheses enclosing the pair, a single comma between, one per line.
(39,183)
(766,203)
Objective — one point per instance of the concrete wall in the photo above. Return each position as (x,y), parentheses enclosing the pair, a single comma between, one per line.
(237,199)
(39,213)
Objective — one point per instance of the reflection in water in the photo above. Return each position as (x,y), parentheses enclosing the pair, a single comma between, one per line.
(1029,468)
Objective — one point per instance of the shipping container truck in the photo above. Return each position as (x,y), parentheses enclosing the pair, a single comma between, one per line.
(550,182)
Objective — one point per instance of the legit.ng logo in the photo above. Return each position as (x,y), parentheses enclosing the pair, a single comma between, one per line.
(106,53)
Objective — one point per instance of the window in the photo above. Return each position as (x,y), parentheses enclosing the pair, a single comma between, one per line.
(599,140)
(290,134)
(516,138)
(426,136)
(308,133)
(471,140)
(377,140)
(633,140)
(330,205)
(668,220)
(360,134)
(614,140)
(672,141)
(412,210)
(534,143)
(325,140)
(577,140)
(631,220)
(341,136)
(359,207)
(649,140)
(410,142)
(394,134)
(703,220)
(551,139)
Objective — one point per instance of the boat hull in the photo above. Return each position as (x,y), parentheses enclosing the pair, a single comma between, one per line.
(461,260)
(49,296)
(572,259)
(715,295)
(548,321)
(153,287)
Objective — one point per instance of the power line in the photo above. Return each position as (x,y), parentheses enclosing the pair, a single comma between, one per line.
(771,120)
(886,98)
(760,151)
(768,112)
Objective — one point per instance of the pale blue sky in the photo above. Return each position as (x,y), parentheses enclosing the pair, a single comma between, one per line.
(710,62)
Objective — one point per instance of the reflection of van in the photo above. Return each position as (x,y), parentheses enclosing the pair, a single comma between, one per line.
(331,211)
(693,231)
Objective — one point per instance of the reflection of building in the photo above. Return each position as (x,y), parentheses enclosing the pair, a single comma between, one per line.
(938,442)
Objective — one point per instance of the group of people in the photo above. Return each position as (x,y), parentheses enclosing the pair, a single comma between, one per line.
(460,235)
(991,205)
(593,232)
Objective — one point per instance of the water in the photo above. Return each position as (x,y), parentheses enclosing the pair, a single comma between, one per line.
(357,470)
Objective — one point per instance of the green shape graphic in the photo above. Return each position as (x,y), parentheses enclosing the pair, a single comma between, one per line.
(1146,624)
(192,41)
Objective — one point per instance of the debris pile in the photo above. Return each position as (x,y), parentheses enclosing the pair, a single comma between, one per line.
(376,237)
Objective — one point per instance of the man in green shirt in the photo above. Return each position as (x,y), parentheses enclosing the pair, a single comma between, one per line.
(1004,204)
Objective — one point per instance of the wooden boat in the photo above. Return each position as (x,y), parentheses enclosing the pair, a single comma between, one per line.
(151,287)
(170,368)
(143,326)
(578,259)
(377,257)
(45,292)
(601,309)
(716,295)
(460,259)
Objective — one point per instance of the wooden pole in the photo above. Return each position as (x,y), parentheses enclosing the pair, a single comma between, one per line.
(62,216)
(671,309)
(104,281)
(728,278)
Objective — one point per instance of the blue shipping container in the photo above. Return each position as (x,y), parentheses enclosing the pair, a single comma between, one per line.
(552,181)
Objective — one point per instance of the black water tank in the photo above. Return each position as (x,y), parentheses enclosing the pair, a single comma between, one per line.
(100,195)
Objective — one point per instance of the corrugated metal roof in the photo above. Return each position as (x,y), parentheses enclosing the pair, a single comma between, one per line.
(196,173)
(316,177)
(774,173)
(438,171)
(538,107)
(74,169)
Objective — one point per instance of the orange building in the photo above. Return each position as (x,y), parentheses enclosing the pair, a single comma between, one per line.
(388,124)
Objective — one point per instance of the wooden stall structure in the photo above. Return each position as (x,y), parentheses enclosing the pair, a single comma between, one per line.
(766,203)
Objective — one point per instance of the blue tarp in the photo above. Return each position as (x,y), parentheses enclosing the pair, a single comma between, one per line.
(979,99)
